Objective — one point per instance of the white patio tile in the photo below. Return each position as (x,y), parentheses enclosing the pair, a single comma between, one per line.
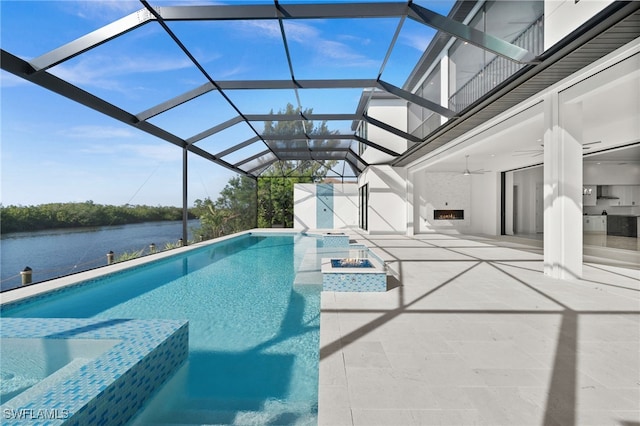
(488,340)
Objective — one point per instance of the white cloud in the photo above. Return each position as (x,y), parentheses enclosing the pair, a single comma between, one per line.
(302,33)
(341,52)
(264,28)
(100,70)
(417,41)
(9,80)
(160,152)
(102,9)
(98,132)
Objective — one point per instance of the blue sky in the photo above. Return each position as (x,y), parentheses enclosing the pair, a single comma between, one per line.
(54,150)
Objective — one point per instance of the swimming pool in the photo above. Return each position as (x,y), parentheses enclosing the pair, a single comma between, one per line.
(253,335)
(28,362)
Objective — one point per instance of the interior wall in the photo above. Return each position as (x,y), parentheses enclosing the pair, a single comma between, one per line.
(528,208)
(611,173)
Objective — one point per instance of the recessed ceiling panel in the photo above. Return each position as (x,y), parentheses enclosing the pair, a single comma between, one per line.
(338,48)
(236,50)
(135,71)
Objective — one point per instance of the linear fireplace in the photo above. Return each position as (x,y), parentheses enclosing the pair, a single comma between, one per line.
(448,214)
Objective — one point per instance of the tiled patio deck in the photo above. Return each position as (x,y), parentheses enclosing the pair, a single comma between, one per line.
(472,332)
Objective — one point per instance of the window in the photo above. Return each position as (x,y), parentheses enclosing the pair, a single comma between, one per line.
(363,207)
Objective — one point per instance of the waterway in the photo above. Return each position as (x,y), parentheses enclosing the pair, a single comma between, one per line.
(54,253)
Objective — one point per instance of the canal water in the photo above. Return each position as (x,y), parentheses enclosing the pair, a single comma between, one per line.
(54,253)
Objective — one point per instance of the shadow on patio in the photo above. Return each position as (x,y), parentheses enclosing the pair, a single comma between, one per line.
(476,334)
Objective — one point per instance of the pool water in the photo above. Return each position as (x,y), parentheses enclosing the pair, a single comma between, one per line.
(253,336)
(25,363)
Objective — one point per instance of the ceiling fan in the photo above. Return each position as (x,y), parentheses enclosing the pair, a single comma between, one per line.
(539,151)
(468,172)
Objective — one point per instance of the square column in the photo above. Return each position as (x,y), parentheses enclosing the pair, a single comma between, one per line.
(562,188)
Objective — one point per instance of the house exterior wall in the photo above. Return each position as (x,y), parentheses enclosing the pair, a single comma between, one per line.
(562,17)
(484,211)
(387,209)
(394,113)
(338,212)
(442,191)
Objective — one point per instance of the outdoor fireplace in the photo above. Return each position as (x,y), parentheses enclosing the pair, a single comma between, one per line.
(448,214)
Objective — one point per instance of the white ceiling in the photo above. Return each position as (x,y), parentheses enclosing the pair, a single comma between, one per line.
(610,108)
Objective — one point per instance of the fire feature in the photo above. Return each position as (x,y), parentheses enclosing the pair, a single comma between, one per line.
(448,214)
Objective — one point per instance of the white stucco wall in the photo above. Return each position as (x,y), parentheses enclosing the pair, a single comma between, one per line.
(345,206)
(485,203)
(387,199)
(394,113)
(304,206)
(441,191)
(564,16)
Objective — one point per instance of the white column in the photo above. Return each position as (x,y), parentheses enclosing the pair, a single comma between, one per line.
(410,200)
(562,189)
(444,85)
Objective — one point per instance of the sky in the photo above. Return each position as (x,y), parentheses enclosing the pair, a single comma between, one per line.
(55,150)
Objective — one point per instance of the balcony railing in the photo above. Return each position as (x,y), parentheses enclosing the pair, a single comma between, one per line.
(498,69)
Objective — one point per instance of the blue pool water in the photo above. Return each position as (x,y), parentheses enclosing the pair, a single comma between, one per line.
(253,336)
(25,363)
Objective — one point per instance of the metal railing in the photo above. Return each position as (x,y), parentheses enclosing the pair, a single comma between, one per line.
(498,69)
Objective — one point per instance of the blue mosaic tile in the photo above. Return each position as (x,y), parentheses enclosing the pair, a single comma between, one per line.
(354,282)
(149,351)
(338,240)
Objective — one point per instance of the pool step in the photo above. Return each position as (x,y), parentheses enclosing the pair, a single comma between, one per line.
(274,413)
(24,398)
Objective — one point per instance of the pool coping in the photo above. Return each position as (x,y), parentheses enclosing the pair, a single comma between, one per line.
(40,288)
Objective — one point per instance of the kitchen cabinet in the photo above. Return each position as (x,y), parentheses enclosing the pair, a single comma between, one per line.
(623,226)
(631,195)
(627,195)
(594,224)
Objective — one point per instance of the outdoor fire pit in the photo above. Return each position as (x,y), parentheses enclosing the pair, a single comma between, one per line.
(351,263)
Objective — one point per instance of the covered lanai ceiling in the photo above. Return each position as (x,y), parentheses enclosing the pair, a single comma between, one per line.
(241,84)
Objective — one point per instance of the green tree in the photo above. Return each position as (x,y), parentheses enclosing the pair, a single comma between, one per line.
(236,207)
(233,211)
(275,185)
(75,215)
